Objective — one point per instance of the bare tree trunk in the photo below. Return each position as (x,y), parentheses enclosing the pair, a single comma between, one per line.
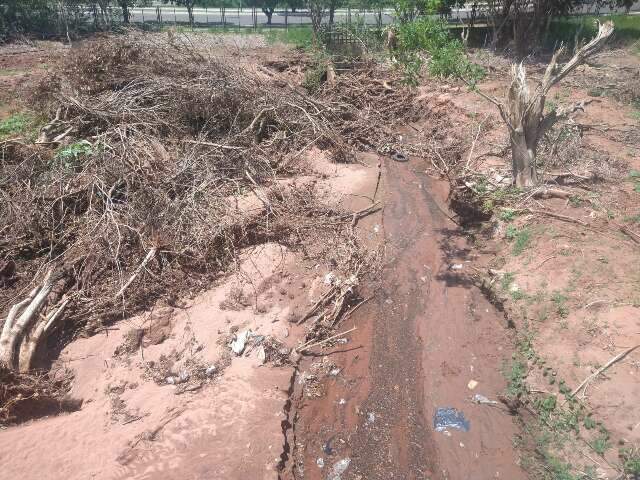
(524,112)
(125,11)
(15,329)
(523,161)
(33,340)
(268,11)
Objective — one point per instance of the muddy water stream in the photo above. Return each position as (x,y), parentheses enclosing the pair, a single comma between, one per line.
(422,342)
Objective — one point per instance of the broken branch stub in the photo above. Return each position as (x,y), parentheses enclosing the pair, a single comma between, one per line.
(524,110)
(20,336)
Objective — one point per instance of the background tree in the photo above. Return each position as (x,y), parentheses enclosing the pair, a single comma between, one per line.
(268,7)
(189,4)
(294,4)
(332,6)
(317,11)
(125,5)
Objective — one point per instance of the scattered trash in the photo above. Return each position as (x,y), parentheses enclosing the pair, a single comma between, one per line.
(399,156)
(482,400)
(334,372)
(211,370)
(472,384)
(329,278)
(262,355)
(326,447)
(342,401)
(182,377)
(376,228)
(371,417)
(447,417)
(320,462)
(240,342)
(456,266)
(339,468)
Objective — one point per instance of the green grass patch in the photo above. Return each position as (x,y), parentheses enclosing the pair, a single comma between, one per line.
(566,30)
(630,457)
(301,36)
(19,125)
(297,35)
(521,239)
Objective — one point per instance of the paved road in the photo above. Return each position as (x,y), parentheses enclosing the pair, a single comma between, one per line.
(245,17)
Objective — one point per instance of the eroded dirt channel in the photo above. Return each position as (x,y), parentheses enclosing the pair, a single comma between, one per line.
(425,338)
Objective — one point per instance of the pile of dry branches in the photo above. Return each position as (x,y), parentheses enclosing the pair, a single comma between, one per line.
(368,102)
(26,396)
(159,163)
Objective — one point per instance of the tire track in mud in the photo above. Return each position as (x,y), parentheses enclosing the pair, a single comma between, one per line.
(426,334)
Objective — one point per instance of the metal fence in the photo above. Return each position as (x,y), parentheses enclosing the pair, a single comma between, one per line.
(251,17)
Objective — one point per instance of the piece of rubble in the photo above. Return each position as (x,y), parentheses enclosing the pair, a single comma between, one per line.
(339,468)
(238,345)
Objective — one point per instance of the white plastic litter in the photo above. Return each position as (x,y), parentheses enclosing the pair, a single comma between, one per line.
(237,346)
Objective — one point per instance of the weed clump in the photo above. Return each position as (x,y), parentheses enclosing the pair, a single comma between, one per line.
(427,41)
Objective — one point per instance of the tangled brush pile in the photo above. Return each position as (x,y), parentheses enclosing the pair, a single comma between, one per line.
(159,163)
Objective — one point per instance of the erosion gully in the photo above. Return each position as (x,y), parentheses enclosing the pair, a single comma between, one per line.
(423,337)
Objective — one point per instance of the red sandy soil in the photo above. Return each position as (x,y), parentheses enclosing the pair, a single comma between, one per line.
(232,426)
(591,267)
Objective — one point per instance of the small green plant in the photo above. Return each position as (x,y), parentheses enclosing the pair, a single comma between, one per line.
(515,373)
(630,457)
(506,281)
(589,423)
(560,302)
(70,155)
(634,175)
(575,200)
(543,313)
(601,443)
(507,214)
(412,64)
(521,238)
(517,295)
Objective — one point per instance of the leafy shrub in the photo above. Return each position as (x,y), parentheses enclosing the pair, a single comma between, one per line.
(314,77)
(447,56)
